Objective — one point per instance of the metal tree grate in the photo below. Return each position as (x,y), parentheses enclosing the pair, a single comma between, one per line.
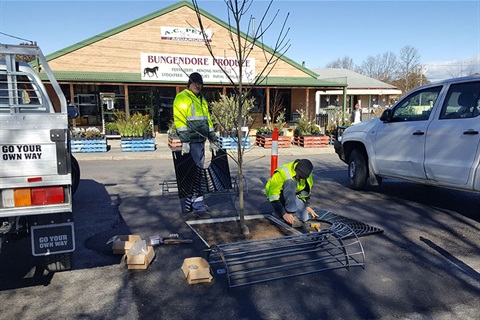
(256,261)
(192,179)
(339,224)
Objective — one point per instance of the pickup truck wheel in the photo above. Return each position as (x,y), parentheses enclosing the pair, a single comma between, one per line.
(58,262)
(357,170)
(75,175)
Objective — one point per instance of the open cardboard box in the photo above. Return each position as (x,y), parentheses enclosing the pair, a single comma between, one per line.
(123,243)
(196,270)
(140,261)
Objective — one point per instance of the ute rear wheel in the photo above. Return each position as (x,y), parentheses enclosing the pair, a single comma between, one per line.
(75,175)
(357,170)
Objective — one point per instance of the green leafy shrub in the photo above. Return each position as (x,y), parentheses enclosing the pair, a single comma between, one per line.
(306,127)
(225,112)
(136,125)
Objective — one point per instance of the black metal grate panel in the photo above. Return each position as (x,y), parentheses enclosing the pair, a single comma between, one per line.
(192,179)
(256,261)
(339,222)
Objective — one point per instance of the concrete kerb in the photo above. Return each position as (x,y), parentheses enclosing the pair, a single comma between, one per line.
(163,151)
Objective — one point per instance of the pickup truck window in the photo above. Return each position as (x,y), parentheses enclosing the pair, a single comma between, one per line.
(462,101)
(418,106)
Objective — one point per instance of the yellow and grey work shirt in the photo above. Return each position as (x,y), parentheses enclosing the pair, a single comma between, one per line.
(274,185)
(192,118)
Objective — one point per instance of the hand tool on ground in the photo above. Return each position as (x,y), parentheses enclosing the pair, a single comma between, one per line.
(171,239)
(316,226)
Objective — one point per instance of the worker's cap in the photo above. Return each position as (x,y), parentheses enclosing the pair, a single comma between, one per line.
(304,168)
(195,77)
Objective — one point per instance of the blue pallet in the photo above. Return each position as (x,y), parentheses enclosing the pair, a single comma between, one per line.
(231,143)
(88,145)
(89,149)
(138,149)
(138,145)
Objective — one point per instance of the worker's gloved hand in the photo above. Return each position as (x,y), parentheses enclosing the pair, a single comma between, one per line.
(185,148)
(212,136)
(214,147)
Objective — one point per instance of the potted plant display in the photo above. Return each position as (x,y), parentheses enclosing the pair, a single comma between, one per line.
(307,134)
(90,139)
(136,131)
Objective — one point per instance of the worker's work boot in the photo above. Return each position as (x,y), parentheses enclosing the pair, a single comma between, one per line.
(199,207)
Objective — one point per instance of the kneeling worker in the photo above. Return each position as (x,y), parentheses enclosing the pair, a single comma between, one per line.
(288,190)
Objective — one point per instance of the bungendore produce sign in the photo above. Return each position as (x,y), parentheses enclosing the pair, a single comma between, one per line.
(176,67)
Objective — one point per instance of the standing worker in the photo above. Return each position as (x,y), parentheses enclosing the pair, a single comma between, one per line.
(194,125)
(288,190)
(356,115)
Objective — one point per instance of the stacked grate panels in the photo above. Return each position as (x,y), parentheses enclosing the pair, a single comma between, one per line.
(192,179)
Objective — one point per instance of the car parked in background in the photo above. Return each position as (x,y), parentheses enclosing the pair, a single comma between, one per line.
(430,136)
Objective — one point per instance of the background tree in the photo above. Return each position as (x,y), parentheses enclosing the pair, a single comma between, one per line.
(382,67)
(403,71)
(241,45)
(408,69)
(344,63)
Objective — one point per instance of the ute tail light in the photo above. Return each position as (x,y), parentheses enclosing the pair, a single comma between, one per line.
(23,197)
(50,195)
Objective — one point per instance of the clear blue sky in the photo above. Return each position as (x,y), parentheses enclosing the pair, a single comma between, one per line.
(446,33)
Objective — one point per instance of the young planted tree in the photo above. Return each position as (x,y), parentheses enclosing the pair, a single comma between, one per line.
(241,46)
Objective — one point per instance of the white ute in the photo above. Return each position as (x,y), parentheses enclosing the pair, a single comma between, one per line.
(38,174)
(430,136)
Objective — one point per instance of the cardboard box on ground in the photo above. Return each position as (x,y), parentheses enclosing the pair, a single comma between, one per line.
(137,254)
(122,243)
(196,270)
(140,261)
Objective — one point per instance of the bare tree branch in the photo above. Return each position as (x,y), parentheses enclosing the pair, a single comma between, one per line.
(243,45)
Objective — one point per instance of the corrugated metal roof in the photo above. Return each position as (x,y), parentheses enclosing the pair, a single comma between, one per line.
(354,79)
(300,82)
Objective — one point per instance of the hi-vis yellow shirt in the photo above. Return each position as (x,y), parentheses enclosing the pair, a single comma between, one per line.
(274,185)
(192,118)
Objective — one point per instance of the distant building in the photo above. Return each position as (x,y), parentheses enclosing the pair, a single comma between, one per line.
(370,93)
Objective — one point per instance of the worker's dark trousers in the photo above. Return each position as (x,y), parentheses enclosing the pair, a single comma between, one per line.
(292,202)
(195,202)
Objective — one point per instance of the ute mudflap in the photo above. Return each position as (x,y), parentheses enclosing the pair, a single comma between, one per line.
(52,234)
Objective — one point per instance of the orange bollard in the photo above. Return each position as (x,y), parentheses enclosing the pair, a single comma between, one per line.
(274,158)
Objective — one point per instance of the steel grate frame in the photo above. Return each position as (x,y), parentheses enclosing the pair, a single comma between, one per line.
(257,261)
(192,179)
(343,226)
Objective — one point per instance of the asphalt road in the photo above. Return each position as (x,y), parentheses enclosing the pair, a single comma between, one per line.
(425,265)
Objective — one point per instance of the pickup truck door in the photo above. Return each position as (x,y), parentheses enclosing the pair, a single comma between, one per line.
(452,143)
(400,142)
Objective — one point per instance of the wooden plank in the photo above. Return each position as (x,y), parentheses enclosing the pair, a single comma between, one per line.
(311,141)
(266,142)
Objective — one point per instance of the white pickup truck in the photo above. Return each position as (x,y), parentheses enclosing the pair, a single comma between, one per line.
(38,174)
(430,136)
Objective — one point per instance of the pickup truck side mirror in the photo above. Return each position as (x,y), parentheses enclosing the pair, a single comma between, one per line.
(72,111)
(387,115)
